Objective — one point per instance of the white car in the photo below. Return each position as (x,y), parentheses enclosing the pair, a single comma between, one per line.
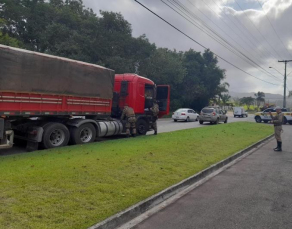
(185,114)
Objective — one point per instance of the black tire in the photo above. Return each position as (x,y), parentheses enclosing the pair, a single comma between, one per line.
(217,121)
(201,122)
(175,120)
(55,135)
(285,120)
(226,120)
(196,119)
(85,133)
(290,122)
(188,119)
(258,119)
(234,116)
(142,127)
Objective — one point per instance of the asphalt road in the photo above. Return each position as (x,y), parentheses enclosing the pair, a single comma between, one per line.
(254,193)
(164,125)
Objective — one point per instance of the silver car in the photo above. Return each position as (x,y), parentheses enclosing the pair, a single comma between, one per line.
(213,115)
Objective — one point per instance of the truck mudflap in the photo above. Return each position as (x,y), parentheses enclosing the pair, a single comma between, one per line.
(7,139)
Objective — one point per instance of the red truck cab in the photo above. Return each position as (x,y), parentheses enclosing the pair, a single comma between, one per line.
(139,93)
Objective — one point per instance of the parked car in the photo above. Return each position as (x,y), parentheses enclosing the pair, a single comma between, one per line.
(185,114)
(264,116)
(213,115)
(239,112)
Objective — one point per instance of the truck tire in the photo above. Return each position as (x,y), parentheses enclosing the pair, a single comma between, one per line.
(55,135)
(142,127)
(258,119)
(85,133)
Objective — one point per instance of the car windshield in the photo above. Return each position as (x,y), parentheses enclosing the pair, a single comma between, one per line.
(207,110)
(181,110)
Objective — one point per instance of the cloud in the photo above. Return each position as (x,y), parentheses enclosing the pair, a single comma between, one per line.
(261,34)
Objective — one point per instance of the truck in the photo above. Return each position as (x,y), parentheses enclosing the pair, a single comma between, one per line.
(51,101)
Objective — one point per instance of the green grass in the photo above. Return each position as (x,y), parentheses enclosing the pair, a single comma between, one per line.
(78,186)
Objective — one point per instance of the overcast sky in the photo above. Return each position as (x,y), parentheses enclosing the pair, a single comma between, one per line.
(259,29)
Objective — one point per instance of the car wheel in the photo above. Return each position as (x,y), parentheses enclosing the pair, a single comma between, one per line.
(201,122)
(85,133)
(142,127)
(234,116)
(285,120)
(258,119)
(196,119)
(55,135)
(175,120)
(226,120)
(217,121)
(188,119)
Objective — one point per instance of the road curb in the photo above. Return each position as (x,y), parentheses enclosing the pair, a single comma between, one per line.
(143,206)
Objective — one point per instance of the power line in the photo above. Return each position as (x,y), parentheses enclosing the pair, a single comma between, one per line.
(275,30)
(224,40)
(231,29)
(243,26)
(200,43)
(257,28)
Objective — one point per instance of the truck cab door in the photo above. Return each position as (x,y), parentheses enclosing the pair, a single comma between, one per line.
(163,98)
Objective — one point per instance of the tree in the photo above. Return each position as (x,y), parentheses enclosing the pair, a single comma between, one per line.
(260,98)
(247,101)
(5,39)
(225,98)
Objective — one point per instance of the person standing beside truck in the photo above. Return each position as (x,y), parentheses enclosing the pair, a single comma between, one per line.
(278,120)
(155,112)
(129,115)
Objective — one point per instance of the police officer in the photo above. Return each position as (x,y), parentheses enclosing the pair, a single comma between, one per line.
(155,112)
(129,115)
(278,120)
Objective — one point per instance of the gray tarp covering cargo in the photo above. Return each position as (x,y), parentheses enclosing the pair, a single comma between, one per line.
(26,71)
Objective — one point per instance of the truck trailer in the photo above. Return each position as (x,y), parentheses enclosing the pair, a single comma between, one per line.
(51,101)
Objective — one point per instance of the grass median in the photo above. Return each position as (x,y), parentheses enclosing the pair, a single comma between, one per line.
(78,186)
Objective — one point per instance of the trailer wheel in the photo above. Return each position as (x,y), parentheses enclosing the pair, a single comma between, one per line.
(55,135)
(142,127)
(85,133)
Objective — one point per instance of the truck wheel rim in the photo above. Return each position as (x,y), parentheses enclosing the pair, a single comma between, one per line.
(86,135)
(141,129)
(57,137)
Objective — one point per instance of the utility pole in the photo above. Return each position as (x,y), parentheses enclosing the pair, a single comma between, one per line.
(285,77)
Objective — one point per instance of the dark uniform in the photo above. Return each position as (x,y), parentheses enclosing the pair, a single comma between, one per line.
(278,120)
(155,112)
(129,115)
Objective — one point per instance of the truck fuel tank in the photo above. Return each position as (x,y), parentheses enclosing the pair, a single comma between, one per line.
(110,128)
